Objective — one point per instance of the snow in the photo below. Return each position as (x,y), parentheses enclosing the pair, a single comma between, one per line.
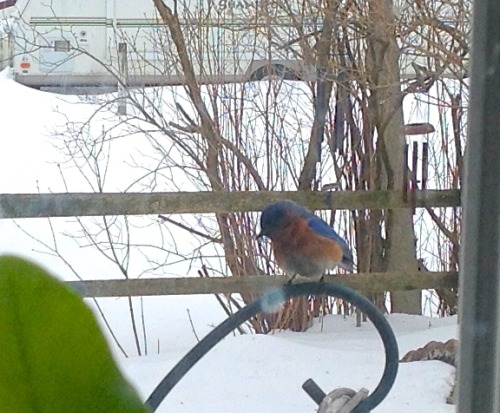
(253,373)
(250,373)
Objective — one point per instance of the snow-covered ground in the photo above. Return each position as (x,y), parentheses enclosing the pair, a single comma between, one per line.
(249,373)
(264,373)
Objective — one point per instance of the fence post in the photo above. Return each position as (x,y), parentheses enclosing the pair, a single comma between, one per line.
(123,77)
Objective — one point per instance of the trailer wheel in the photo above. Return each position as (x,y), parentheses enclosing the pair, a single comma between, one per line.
(274,71)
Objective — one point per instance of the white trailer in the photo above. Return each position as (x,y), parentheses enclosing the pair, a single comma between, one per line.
(102,42)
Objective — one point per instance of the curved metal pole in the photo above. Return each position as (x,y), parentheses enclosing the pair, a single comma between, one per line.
(269,302)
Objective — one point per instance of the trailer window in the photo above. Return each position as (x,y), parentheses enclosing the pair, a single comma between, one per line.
(61,46)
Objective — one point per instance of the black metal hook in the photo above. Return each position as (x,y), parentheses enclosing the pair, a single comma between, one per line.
(269,302)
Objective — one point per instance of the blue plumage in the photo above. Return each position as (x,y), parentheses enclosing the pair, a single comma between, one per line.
(322,228)
(303,243)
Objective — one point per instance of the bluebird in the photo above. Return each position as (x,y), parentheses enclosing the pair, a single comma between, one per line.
(303,243)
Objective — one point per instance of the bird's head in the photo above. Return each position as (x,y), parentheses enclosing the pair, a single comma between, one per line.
(275,217)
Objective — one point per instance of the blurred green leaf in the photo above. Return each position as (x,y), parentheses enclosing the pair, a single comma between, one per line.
(53,356)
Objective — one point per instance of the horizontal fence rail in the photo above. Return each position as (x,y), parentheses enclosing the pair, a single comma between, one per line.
(99,204)
(363,282)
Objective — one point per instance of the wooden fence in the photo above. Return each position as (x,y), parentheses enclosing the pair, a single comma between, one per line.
(99,204)
(15,206)
(366,283)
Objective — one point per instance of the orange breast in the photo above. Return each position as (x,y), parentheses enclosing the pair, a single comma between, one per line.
(301,250)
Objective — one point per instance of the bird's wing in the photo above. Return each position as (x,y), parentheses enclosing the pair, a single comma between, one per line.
(322,228)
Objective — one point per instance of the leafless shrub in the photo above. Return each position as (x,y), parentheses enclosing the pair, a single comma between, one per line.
(341,127)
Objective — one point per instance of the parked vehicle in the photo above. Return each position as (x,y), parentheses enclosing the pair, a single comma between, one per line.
(102,43)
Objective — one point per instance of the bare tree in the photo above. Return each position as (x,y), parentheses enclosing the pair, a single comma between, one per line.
(333,118)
